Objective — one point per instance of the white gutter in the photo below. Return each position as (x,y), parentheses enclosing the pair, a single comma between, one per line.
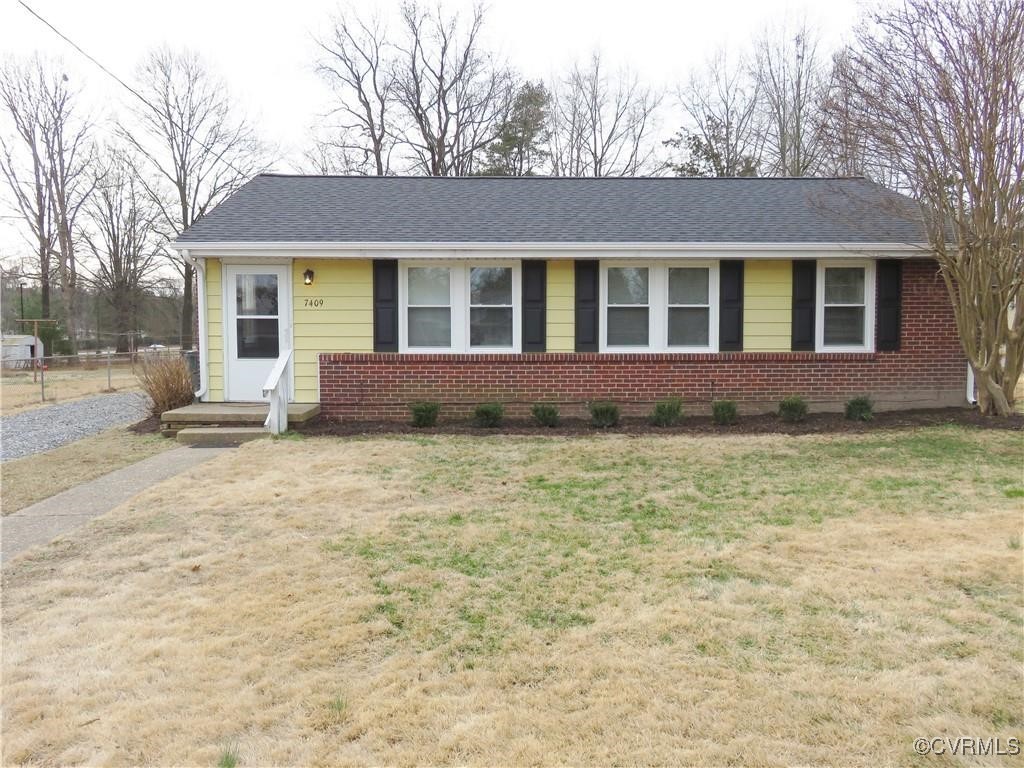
(292,245)
(972,395)
(200,265)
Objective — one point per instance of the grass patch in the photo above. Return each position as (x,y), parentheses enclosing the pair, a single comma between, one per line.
(633,591)
(42,475)
(228,758)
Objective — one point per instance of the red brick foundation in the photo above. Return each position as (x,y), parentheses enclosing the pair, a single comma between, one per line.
(928,370)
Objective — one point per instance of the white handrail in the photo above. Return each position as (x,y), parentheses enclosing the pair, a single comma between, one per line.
(276,386)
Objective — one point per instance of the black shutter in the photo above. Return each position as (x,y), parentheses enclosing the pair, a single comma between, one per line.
(588,307)
(890,299)
(805,279)
(730,306)
(535,289)
(385,305)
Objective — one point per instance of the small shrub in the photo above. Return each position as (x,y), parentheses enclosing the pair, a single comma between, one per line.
(489,415)
(860,409)
(424,414)
(604,415)
(546,414)
(168,382)
(667,413)
(793,408)
(723,412)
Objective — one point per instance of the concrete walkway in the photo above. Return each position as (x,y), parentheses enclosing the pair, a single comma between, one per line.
(48,519)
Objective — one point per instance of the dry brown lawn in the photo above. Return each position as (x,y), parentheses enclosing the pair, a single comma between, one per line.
(19,393)
(34,478)
(759,600)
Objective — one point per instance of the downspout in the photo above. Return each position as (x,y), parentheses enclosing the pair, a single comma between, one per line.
(200,265)
(971,397)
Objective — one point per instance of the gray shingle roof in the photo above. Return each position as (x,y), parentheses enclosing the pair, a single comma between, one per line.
(403,209)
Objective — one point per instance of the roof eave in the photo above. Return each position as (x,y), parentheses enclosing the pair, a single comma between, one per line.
(242,247)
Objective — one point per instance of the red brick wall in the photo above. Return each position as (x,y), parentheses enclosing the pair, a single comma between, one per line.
(928,370)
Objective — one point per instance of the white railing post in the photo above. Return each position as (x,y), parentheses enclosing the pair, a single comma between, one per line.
(277,388)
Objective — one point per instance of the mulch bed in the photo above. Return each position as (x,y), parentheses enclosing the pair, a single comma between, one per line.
(816,423)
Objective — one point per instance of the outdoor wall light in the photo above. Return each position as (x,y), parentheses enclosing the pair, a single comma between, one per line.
(307,277)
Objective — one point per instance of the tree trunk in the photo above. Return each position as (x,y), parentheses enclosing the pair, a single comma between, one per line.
(186,308)
(122,323)
(992,397)
(44,280)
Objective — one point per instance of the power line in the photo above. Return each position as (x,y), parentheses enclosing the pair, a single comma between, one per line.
(131,90)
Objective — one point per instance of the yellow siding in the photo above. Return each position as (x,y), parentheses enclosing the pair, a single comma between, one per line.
(215,330)
(767,305)
(561,307)
(344,323)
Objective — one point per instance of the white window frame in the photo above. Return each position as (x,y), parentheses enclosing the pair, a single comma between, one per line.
(868,266)
(657,312)
(712,305)
(460,306)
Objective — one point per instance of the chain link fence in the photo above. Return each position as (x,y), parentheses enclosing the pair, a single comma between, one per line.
(28,382)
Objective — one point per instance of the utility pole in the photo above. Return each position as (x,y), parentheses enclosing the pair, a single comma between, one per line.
(40,362)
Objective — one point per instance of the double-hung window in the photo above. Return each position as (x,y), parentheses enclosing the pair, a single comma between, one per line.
(429,307)
(845,311)
(491,308)
(689,307)
(659,307)
(629,310)
(459,307)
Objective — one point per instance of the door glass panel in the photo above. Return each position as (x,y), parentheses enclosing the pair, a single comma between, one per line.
(688,327)
(257,337)
(627,285)
(490,326)
(430,326)
(256,294)
(429,286)
(627,326)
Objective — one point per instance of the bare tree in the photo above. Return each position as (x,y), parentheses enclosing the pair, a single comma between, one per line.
(453,93)
(358,64)
(938,86)
(194,151)
(67,138)
(721,104)
(23,161)
(124,241)
(846,150)
(601,124)
(791,81)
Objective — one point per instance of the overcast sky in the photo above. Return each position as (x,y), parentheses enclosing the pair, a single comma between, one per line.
(263,48)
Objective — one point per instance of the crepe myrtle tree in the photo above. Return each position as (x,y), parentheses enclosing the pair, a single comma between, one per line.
(938,86)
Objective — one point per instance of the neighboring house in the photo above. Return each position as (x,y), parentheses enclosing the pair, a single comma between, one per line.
(521,290)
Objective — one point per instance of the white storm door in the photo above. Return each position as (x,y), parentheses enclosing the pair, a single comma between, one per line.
(256,327)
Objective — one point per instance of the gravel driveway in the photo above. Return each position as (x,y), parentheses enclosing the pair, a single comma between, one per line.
(22,434)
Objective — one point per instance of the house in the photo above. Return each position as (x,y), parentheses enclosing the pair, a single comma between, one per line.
(368,293)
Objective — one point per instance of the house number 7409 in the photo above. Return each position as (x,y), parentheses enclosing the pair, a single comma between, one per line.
(313,303)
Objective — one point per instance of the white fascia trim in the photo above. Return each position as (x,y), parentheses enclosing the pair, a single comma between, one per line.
(540,250)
